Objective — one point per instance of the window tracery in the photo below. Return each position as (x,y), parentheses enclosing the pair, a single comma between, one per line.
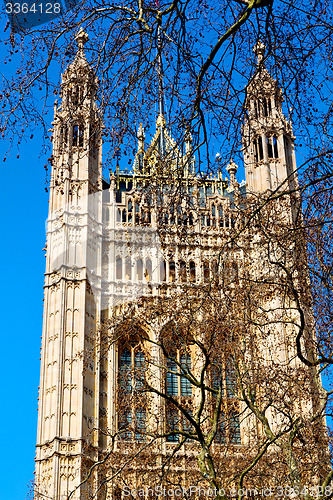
(179,387)
(272,146)
(224,383)
(132,416)
(78,135)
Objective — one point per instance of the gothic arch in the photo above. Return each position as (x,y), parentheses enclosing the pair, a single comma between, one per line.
(178,354)
(133,354)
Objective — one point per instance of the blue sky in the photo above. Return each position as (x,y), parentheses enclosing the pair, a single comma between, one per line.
(23,212)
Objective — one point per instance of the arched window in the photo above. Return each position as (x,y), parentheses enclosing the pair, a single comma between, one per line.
(162,270)
(148,270)
(257,107)
(128,269)
(179,214)
(139,270)
(63,136)
(221,216)
(172,215)
(119,268)
(124,215)
(118,215)
(185,368)
(206,271)
(275,146)
(178,366)
(78,132)
(264,106)
(129,210)
(258,149)
(224,382)
(172,271)
(137,213)
(131,402)
(182,271)
(269,105)
(192,271)
(179,387)
(76,95)
(190,219)
(213,215)
(272,147)
(125,370)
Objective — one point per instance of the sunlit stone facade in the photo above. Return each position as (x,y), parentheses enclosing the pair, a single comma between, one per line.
(138,234)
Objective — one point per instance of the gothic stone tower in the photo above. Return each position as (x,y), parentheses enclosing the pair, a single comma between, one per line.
(111,243)
(268,139)
(67,403)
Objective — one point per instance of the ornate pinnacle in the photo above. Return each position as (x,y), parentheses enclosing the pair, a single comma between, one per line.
(141,132)
(188,140)
(232,169)
(259,50)
(161,121)
(81,38)
(141,138)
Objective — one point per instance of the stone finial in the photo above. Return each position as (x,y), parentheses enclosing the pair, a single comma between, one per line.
(259,50)
(232,169)
(141,132)
(112,181)
(141,138)
(81,38)
(188,141)
(161,121)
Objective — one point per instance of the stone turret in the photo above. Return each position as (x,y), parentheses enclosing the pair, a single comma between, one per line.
(268,138)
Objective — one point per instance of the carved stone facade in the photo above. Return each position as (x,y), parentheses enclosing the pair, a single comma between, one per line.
(115,243)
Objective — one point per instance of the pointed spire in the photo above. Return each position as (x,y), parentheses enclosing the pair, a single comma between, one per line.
(160,122)
(259,50)
(117,164)
(160,74)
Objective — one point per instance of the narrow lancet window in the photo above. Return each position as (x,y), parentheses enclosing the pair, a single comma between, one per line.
(119,269)
(192,271)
